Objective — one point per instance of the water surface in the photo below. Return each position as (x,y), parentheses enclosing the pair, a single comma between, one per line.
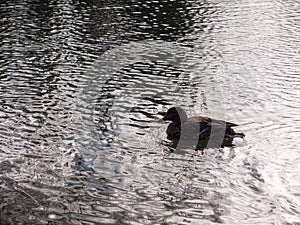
(83,86)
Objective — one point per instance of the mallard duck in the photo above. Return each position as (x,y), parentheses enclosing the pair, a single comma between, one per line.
(201,128)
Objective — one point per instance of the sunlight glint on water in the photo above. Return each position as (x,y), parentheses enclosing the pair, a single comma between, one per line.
(83,87)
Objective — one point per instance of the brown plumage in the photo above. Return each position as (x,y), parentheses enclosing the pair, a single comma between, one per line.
(199,127)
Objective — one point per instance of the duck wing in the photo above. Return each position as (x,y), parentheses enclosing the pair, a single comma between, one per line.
(206,121)
(204,127)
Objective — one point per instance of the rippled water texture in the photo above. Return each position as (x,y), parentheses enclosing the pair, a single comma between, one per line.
(84,84)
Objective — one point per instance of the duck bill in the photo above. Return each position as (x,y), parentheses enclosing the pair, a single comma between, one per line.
(166,118)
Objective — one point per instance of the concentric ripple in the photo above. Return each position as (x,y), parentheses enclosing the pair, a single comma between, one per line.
(84,85)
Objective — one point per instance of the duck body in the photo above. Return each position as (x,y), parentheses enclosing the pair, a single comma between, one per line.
(201,128)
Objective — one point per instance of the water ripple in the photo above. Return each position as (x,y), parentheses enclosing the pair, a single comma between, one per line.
(84,86)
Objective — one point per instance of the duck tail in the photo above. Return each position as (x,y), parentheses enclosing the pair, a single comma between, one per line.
(241,135)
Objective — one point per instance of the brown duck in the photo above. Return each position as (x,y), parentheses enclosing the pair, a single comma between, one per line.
(202,128)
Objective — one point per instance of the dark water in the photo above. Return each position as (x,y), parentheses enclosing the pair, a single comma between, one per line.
(83,85)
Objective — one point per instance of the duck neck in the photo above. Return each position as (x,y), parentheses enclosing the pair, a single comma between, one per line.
(176,123)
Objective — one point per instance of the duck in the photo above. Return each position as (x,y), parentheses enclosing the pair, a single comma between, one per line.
(198,127)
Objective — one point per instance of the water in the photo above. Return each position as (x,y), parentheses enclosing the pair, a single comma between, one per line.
(83,86)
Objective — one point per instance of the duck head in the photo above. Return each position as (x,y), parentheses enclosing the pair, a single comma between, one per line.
(176,115)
